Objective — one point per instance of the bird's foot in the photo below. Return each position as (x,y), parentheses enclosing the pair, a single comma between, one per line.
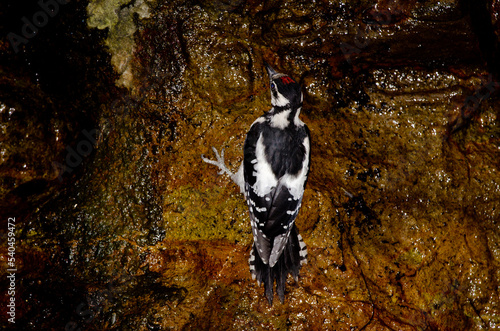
(219,162)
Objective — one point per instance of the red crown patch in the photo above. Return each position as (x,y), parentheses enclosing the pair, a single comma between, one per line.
(287,80)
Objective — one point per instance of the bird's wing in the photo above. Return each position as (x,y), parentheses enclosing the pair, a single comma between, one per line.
(257,193)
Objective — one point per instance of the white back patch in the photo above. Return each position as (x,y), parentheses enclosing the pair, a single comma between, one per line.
(265,176)
(260,119)
(295,183)
(296,119)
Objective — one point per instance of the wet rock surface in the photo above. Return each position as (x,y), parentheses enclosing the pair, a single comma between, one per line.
(120,225)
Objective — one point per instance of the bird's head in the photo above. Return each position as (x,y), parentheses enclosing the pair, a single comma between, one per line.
(285,91)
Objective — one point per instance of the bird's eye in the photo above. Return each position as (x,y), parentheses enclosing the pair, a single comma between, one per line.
(273,86)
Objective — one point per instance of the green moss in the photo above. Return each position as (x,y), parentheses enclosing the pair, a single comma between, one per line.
(119,19)
(411,258)
(191,214)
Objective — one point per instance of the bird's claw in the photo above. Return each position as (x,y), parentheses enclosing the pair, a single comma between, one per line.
(220,161)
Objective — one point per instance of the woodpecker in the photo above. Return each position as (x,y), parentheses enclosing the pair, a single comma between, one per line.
(272,176)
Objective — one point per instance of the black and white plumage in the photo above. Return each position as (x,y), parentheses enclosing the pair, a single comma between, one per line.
(273,176)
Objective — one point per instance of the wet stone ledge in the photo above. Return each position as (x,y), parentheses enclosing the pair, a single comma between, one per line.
(120,225)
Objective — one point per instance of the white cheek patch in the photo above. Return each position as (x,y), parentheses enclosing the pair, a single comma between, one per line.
(279,100)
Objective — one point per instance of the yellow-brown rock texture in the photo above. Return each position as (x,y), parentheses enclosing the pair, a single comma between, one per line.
(106,110)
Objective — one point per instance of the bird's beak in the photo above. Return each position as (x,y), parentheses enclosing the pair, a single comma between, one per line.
(270,71)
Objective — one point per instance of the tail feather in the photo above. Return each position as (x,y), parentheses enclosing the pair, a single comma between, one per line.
(293,257)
